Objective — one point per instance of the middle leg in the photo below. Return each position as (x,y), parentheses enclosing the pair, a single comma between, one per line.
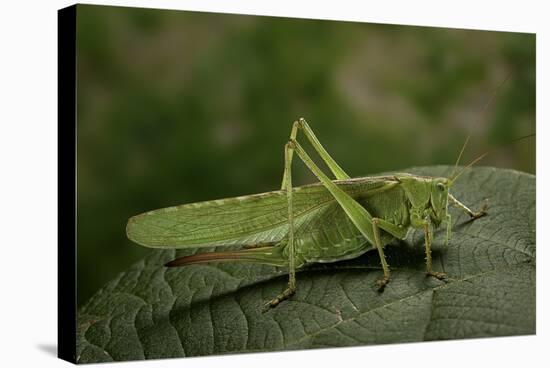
(428,236)
(396,231)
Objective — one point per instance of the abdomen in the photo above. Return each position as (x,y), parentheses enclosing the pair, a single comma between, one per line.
(336,238)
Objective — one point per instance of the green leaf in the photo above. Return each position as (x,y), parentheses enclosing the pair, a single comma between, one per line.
(151,312)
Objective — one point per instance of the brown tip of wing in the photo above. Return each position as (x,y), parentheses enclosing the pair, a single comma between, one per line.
(266,255)
(202,258)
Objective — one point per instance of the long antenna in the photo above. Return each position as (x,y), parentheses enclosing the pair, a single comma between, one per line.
(483,110)
(474,161)
(460,154)
(494,95)
(468,166)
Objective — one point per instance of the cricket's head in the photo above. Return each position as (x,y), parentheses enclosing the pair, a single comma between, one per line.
(428,196)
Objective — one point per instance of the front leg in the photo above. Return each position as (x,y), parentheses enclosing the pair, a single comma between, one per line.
(474,215)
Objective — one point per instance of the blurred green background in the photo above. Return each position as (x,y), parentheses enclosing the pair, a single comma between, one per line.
(177,107)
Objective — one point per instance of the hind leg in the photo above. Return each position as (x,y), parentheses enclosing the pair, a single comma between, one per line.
(287,186)
(359,216)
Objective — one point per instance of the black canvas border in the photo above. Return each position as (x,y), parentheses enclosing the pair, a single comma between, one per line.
(66,187)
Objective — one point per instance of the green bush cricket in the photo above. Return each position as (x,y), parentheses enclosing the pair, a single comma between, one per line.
(329,221)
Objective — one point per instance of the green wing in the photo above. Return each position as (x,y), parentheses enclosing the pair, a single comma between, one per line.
(252,219)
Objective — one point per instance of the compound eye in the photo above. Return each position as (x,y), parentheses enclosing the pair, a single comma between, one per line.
(440,186)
